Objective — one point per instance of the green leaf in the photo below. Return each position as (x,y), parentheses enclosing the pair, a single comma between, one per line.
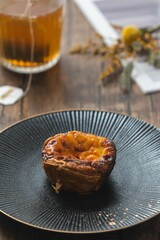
(126,77)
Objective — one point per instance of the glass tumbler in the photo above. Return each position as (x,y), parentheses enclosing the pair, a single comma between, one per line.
(30,34)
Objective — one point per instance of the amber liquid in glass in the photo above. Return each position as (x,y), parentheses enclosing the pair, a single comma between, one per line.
(38,30)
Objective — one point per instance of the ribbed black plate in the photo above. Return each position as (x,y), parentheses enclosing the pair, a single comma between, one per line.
(130,196)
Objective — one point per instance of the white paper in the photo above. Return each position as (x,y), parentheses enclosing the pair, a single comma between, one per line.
(146,76)
(98,21)
(9,95)
(123,12)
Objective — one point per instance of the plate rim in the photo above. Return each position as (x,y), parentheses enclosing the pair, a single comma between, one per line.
(77,109)
(78,232)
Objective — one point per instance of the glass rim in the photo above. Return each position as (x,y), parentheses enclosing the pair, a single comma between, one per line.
(60,3)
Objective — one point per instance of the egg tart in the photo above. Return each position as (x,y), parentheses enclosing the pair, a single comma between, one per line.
(77,161)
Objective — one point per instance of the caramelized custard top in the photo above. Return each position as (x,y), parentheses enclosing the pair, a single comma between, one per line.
(77,145)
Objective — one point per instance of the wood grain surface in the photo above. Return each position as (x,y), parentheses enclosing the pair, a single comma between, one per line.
(73,84)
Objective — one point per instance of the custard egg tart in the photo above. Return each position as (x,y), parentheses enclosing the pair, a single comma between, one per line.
(78,162)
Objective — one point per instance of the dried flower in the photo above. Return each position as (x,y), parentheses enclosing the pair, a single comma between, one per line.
(132,43)
(130,34)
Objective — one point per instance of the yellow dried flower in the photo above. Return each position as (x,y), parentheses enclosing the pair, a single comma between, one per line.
(130,34)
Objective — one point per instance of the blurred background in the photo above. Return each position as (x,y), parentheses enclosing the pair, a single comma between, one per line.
(123,12)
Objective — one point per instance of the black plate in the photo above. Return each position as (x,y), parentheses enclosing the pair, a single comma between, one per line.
(130,196)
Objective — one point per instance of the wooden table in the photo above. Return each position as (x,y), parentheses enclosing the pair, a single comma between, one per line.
(73,83)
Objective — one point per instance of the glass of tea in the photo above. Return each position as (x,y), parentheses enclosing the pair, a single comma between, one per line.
(30,34)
